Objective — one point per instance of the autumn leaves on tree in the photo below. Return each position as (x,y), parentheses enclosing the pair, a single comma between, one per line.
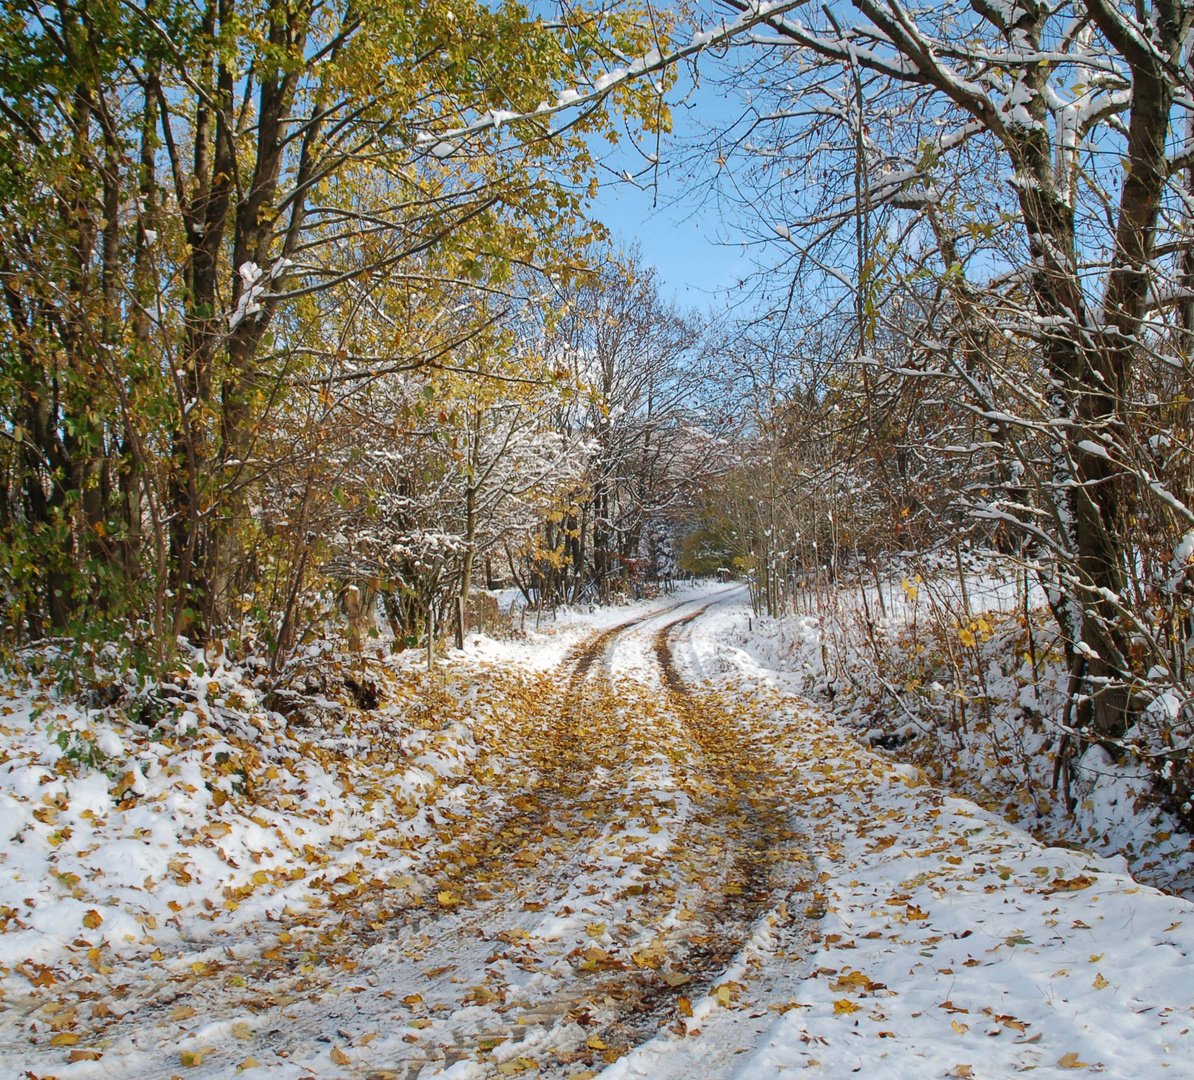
(229,229)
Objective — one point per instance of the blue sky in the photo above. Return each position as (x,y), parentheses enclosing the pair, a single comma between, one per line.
(685,237)
(681,241)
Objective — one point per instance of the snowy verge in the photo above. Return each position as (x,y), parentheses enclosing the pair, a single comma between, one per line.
(948,942)
(972,690)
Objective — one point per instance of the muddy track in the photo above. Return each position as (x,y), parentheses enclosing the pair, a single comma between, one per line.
(560,781)
(648,999)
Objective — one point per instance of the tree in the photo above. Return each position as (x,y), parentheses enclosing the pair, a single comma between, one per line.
(889,122)
(635,354)
(200,203)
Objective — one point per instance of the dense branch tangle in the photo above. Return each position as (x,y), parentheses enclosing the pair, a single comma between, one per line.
(209,208)
(1024,167)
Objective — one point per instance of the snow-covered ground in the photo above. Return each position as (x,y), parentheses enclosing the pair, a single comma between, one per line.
(948,942)
(625,843)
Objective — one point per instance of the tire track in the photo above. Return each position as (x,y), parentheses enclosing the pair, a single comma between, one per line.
(585,749)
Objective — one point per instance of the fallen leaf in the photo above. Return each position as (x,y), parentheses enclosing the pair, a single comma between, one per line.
(93,919)
(448,899)
(1070,1061)
(1099,982)
(183,1012)
(64,1038)
(684,1006)
(594,1043)
(242,1030)
(190,1058)
(855,980)
(85,1055)
(676,979)
(961,1029)
(249,1063)
(43,976)
(843,1006)
(339,1056)
(962,1072)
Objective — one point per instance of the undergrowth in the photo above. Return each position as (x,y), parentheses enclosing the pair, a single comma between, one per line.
(972,688)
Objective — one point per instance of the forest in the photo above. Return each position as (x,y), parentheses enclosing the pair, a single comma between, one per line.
(308,322)
(415,617)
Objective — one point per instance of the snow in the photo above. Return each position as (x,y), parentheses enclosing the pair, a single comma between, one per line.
(1184,551)
(294,898)
(952,943)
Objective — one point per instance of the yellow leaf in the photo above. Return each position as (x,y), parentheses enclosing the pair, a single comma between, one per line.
(676,979)
(157,954)
(260,877)
(962,1072)
(249,1063)
(724,993)
(684,1006)
(1100,983)
(183,1012)
(843,1006)
(854,980)
(64,1038)
(339,1056)
(190,1058)
(413,999)
(85,1055)
(961,1029)
(1070,1061)
(199,967)
(594,1043)
(448,899)
(93,919)
(966,637)
(242,1030)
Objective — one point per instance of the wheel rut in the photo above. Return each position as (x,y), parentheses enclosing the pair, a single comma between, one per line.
(612,871)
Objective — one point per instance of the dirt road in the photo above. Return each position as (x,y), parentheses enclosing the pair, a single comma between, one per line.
(621,839)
